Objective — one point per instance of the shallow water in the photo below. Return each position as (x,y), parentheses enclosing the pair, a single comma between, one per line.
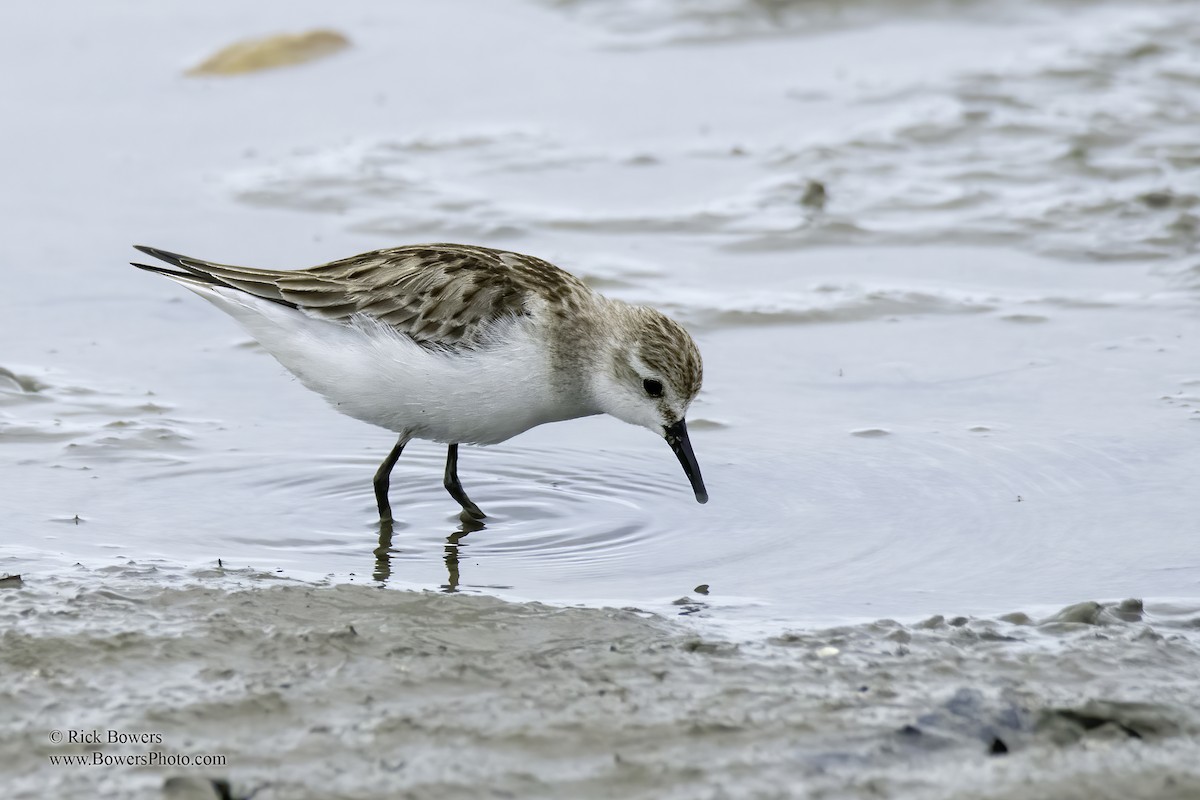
(940,259)
(959,374)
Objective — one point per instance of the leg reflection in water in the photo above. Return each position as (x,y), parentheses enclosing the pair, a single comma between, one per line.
(383,553)
(468,526)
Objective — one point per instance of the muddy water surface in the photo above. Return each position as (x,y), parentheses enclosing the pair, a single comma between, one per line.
(940,260)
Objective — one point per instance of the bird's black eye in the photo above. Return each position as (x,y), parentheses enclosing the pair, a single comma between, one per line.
(652,387)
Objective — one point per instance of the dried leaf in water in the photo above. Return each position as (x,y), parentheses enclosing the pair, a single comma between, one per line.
(281,50)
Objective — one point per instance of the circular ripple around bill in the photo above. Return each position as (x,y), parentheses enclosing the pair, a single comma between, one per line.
(542,508)
(539,505)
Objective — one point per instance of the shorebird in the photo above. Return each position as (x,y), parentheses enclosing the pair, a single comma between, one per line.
(459,344)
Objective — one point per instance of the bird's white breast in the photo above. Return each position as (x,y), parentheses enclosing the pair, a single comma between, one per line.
(370,372)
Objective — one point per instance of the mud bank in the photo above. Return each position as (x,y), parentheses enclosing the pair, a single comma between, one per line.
(351,691)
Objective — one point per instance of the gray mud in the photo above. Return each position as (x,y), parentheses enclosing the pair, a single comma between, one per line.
(939,255)
(345,691)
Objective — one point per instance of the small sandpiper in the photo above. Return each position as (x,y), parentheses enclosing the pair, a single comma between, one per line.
(460,345)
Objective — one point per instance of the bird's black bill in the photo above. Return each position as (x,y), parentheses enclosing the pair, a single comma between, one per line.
(677,436)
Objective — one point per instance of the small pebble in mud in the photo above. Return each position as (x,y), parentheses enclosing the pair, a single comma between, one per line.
(701,589)
(1157,199)
(827,651)
(814,196)
(180,787)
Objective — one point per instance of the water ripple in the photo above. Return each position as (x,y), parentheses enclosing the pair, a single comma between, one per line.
(541,511)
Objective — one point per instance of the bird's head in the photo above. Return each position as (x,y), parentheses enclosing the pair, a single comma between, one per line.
(650,377)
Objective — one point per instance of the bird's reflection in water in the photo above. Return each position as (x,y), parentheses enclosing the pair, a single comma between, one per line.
(383,553)
(469,525)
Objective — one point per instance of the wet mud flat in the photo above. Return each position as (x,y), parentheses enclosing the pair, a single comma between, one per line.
(350,691)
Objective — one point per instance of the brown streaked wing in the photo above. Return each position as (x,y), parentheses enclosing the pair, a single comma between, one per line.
(438,294)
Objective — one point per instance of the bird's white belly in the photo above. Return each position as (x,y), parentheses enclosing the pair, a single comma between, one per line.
(372,373)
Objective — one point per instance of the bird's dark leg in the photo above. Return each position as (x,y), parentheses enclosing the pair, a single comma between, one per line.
(383,479)
(455,488)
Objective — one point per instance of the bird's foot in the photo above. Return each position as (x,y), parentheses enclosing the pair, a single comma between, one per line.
(472,511)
